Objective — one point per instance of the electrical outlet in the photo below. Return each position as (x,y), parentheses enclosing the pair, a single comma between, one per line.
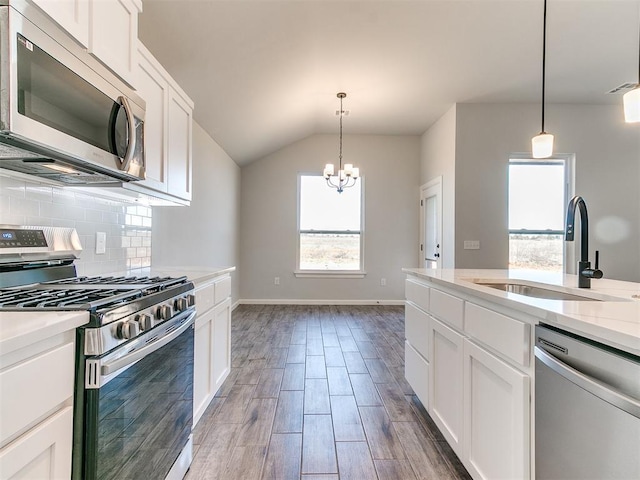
(383,282)
(101,243)
(276,280)
(472,244)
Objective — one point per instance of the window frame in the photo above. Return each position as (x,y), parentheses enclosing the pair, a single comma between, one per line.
(308,273)
(568,160)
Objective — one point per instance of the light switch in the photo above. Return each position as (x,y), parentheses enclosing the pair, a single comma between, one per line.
(101,243)
(472,244)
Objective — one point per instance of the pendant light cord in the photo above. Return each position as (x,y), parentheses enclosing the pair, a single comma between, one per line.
(544,57)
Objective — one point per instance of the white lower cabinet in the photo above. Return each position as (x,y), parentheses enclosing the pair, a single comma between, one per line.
(470,367)
(44,452)
(446,381)
(36,409)
(416,371)
(496,423)
(221,343)
(212,350)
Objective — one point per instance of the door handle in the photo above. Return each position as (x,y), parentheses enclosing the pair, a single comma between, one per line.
(437,255)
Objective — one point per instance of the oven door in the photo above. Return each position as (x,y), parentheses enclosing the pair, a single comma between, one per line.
(139,418)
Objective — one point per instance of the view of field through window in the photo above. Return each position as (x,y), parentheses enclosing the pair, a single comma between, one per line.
(329,233)
(537,197)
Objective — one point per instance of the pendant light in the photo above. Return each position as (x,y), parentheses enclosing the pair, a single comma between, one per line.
(631,99)
(542,144)
(348,175)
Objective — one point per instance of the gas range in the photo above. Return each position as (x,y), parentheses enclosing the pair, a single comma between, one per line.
(134,359)
(120,308)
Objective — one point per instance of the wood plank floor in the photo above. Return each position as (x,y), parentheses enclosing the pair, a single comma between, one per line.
(318,393)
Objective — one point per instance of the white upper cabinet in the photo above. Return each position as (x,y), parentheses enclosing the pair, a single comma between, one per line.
(179,145)
(107,28)
(113,35)
(168,128)
(72,15)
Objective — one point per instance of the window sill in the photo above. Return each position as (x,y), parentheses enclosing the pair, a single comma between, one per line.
(330,273)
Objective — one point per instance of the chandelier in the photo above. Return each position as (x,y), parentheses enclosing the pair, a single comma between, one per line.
(348,175)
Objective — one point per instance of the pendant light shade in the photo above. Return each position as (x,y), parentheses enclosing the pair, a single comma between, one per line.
(632,105)
(631,99)
(542,144)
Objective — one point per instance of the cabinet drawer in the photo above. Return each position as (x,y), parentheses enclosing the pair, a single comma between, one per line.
(417,293)
(34,388)
(509,337)
(416,324)
(223,289)
(446,308)
(205,297)
(416,371)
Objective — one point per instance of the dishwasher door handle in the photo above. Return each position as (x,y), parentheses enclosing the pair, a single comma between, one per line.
(591,385)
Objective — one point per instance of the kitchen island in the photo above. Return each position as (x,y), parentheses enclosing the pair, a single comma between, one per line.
(469,353)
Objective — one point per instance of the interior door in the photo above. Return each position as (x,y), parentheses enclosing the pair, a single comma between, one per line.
(431,224)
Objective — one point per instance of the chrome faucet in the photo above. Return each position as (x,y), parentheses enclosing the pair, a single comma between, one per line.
(585,272)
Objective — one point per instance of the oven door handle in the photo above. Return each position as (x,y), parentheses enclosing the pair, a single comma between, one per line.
(591,385)
(109,368)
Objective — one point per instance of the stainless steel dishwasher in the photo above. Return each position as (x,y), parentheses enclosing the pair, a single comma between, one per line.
(587,411)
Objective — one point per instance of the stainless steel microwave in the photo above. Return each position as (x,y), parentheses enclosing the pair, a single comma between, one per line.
(63,115)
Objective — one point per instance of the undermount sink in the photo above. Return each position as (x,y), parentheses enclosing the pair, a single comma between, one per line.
(536,292)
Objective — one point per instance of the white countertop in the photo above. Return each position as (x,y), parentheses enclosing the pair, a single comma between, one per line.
(614,321)
(20,329)
(197,275)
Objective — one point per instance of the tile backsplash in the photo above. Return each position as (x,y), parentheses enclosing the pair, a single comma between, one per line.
(127,225)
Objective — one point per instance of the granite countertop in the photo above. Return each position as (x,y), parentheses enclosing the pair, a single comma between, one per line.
(615,320)
(20,329)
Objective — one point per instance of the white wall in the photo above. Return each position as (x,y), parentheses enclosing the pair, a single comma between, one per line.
(438,158)
(206,233)
(607,176)
(390,166)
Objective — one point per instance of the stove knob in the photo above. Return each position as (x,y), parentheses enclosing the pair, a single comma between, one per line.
(145,321)
(191,299)
(164,312)
(181,304)
(128,329)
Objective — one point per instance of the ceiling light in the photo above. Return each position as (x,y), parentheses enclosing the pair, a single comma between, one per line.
(631,99)
(542,144)
(348,175)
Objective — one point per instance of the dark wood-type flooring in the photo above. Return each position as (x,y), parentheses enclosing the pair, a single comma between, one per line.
(318,393)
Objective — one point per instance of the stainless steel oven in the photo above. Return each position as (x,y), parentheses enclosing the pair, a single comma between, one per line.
(63,116)
(133,406)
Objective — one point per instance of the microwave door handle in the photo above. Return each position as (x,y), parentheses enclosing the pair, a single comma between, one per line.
(131,126)
(136,355)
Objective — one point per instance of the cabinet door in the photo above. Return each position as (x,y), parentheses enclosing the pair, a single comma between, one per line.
(113,35)
(72,15)
(179,146)
(203,385)
(496,421)
(416,371)
(446,382)
(153,88)
(221,343)
(44,452)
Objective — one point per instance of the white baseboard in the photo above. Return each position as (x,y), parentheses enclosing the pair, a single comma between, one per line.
(279,301)
(236,305)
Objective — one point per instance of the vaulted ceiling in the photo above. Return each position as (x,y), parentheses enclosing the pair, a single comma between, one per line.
(265,73)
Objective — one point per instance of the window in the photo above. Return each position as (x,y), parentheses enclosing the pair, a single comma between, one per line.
(329,227)
(538,196)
